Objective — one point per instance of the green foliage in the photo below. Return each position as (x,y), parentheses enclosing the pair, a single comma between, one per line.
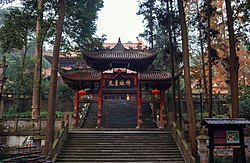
(2,12)
(17,29)
(44,89)
(244,104)
(80,25)
(14,66)
(27,114)
(14,114)
(43,114)
(64,93)
(12,84)
(59,114)
(157,16)
(242,21)
(214,115)
(6,1)
(147,9)
(10,114)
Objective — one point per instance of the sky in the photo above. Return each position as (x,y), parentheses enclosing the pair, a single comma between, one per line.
(118,19)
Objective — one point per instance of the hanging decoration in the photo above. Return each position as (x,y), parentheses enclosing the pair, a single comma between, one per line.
(155,91)
(82,93)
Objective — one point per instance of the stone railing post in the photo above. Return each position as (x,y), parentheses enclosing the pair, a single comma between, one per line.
(202,147)
(15,124)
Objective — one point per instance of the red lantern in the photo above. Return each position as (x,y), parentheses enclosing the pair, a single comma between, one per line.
(155,92)
(81,93)
(119,71)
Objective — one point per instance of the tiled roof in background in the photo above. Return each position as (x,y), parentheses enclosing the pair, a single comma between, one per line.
(224,121)
(81,75)
(147,76)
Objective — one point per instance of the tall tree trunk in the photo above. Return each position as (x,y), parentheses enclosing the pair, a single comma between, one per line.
(204,79)
(53,80)
(210,81)
(169,24)
(234,67)
(38,64)
(179,102)
(151,24)
(234,64)
(19,90)
(225,60)
(23,62)
(188,91)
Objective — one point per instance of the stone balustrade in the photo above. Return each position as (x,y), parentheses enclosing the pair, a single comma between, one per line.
(23,125)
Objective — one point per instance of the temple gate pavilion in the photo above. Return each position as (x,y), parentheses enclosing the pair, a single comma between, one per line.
(116,73)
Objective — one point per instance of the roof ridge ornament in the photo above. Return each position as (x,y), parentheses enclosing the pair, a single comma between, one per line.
(119,46)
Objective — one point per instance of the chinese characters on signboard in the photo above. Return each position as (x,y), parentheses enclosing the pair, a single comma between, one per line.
(226,137)
(219,137)
(120,83)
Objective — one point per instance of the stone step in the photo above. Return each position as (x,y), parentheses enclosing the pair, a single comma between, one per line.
(119,143)
(119,131)
(122,145)
(119,140)
(131,157)
(122,160)
(119,114)
(121,154)
(113,151)
(115,138)
(118,148)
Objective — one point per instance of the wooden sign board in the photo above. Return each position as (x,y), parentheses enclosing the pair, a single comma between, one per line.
(226,137)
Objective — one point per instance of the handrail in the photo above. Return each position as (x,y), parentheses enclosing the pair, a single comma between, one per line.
(63,133)
(182,144)
(84,113)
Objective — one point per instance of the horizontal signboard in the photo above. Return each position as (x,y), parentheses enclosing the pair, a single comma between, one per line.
(119,82)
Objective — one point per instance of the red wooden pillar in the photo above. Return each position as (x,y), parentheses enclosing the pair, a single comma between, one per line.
(139,105)
(163,122)
(99,109)
(76,109)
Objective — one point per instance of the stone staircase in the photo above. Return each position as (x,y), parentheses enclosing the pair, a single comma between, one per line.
(119,140)
(90,118)
(119,145)
(118,114)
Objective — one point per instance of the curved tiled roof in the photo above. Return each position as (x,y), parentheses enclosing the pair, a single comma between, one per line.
(76,78)
(67,61)
(225,121)
(81,75)
(119,55)
(95,75)
(157,76)
(106,59)
(154,76)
